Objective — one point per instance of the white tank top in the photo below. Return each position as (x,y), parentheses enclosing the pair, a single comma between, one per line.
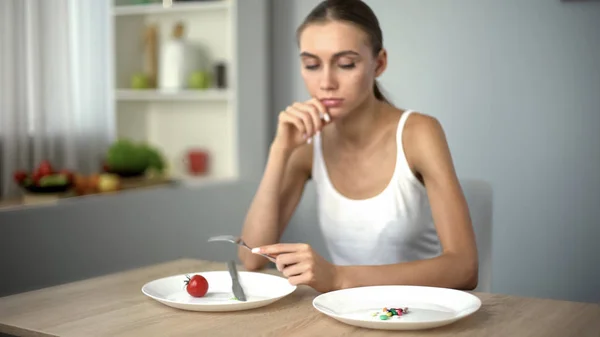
(394,226)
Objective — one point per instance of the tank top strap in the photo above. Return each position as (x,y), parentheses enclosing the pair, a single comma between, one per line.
(402,166)
(401,124)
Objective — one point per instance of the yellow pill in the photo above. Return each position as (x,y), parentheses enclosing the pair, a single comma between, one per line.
(389,314)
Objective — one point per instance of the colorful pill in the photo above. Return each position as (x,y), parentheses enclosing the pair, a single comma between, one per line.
(383,317)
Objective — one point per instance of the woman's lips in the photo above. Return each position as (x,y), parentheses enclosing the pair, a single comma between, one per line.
(332,102)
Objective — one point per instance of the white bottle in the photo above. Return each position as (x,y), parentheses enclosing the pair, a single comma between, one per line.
(177,61)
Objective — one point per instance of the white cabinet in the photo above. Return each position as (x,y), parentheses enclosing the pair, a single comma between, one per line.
(177,121)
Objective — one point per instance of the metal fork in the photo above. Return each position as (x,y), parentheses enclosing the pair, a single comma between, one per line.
(237,241)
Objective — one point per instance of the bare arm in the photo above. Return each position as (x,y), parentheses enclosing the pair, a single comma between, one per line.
(275,201)
(457,267)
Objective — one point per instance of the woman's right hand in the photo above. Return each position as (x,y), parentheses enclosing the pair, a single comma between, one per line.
(299,122)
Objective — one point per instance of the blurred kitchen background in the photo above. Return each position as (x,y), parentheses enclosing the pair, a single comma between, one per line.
(130,132)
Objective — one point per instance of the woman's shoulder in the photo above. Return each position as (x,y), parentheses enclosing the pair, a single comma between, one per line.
(423,139)
(420,126)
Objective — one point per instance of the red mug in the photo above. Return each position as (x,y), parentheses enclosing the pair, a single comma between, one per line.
(197,162)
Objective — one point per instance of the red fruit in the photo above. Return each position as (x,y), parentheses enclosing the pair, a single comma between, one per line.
(45,168)
(36,178)
(196,286)
(19,176)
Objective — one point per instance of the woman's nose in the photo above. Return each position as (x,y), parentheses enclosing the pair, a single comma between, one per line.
(328,79)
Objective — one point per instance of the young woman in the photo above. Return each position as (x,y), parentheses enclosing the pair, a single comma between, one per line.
(390,205)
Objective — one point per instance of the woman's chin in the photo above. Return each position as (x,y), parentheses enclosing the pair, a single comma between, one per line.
(337,113)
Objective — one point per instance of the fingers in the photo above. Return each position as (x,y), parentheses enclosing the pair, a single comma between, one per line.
(323,114)
(281,248)
(303,278)
(282,261)
(286,117)
(294,269)
(312,112)
(309,117)
(301,112)
(287,260)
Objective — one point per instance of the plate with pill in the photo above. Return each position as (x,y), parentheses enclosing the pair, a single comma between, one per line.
(397,307)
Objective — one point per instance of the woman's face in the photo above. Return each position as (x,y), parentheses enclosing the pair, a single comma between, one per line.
(338,66)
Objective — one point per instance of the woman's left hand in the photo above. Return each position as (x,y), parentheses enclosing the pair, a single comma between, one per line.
(302,265)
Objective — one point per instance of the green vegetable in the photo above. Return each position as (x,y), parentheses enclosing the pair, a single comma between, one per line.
(155,160)
(127,156)
(53,180)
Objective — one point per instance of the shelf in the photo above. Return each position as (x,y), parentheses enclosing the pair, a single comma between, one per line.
(212,95)
(176,7)
(177,121)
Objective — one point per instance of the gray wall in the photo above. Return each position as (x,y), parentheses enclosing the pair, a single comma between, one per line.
(43,246)
(516,84)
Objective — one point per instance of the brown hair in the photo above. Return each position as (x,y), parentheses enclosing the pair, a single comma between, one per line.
(355,12)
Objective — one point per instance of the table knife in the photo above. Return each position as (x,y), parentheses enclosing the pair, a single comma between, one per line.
(235,282)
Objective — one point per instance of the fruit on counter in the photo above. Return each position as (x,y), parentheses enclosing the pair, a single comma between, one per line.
(44,175)
(81,185)
(97,183)
(53,180)
(93,180)
(20,176)
(108,182)
(125,156)
(44,169)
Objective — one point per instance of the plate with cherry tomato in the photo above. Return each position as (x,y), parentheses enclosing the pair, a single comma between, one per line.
(211,290)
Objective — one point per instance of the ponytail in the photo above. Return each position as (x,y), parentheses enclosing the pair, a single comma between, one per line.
(378,94)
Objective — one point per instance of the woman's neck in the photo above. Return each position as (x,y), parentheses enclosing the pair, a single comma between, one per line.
(356,130)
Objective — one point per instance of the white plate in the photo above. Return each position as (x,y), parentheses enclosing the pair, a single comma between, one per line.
(260,290)
(428,307)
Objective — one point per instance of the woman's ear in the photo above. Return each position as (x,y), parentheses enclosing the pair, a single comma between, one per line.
(381,62)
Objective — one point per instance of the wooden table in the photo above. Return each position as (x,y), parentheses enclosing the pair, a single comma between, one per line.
(113,305)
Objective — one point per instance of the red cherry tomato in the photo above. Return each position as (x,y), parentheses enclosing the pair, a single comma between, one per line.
(45,168)
(19,176)
(36,178)
(196,286)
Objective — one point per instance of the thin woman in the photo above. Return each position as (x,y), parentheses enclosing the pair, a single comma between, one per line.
(390,205)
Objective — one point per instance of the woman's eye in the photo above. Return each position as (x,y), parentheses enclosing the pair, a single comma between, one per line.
(347,66)
(311,66)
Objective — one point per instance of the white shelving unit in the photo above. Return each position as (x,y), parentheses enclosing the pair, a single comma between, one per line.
(181,7)
(176,122)
(208,95)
